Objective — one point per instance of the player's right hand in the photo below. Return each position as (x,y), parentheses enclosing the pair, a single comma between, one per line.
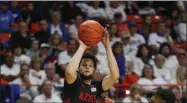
(83,45)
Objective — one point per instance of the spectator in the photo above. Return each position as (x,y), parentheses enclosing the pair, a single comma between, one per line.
(148,78)
(168,36)
(56,26)
(55,7)
(44,51)
(136,39)
(157,38)
(43,9)
(125,38)
(16,12)
(44,34)
(131,7)
(70,11)
(37,75)
(131,77)
(118,18)
(47,96)
(160,70)
(177,93)
(102,65)
(19,57)
(181,57)
(170,29)
(135,95)
(73,29)
(65,56)
(147,28)
(171,60)
(117,49)
(174,14)
(20,38)
(163,7)
(6,18)
(23,79)
(93,11)
(180,29)
(9,70)
(181,76)
(114,8)
(58,83)
(114,34)
(34,50)
(30,15)
(181,5)
(56,45)
(127,47)
(143,57)
(145,8)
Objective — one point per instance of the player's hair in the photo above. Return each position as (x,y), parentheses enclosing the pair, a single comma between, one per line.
(166,95)
(92,57)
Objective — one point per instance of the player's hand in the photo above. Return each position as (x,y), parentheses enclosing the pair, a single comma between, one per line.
(106,38)
(82,45)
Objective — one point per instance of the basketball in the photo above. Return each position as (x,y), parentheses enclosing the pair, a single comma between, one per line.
(90,32)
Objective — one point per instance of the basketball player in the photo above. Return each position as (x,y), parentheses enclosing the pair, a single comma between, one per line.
(164,96)
(78,86)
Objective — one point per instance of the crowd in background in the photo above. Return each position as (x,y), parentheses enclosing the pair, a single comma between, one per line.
(43,38)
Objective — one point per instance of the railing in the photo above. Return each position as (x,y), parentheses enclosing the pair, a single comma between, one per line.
(119,87)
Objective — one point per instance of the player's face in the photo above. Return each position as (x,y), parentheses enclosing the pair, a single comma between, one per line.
(86,68)
(157,100)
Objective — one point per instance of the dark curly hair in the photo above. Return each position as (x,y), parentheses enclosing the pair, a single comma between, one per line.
(92,57)
(166,95)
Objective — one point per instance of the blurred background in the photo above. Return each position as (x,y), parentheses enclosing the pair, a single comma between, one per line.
(38,39)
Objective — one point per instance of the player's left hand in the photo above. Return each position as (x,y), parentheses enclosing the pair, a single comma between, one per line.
(106,38)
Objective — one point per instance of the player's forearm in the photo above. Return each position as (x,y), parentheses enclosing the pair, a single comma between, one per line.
(113,67)
(74,63)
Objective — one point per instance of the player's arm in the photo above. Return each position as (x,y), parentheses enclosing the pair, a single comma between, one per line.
(70,74)
(110,79)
